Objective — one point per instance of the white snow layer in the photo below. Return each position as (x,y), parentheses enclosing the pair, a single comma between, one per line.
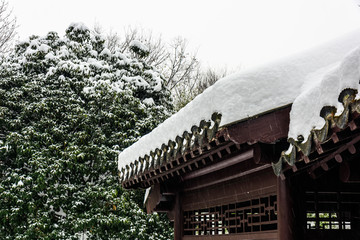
(149,101)
(263,88)
(325,90)
(138,44)
(79,26)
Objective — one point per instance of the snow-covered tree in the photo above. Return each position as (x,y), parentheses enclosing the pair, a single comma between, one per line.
(67,107)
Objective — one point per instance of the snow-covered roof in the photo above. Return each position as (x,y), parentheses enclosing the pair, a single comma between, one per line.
(329,104)
(262,89)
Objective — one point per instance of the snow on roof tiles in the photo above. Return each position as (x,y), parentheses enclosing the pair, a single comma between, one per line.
(323,107)
(246,94)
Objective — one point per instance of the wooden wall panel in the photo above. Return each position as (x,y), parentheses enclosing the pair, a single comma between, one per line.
(261,183)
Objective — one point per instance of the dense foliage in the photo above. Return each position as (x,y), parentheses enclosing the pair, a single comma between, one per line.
(67,107)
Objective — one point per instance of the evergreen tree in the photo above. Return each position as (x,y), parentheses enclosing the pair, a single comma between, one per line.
(67,107)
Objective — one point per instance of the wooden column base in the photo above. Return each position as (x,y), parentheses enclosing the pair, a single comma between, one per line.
(178,222)
(285,210)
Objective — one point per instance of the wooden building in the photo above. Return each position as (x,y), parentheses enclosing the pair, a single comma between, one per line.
(239,181)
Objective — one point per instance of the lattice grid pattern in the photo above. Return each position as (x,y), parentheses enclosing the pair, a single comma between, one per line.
(331,210)
(254,215)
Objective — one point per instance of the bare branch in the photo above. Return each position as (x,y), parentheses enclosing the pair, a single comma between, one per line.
(179,67)
(7,27)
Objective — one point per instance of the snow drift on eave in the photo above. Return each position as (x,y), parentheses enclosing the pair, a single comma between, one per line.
(332,95)
(247,93)
(324,91)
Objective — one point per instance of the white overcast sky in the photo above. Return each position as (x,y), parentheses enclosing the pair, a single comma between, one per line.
(232,33)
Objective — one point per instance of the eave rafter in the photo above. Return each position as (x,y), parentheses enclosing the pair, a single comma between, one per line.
(323,145)
(206,145)
(173,158)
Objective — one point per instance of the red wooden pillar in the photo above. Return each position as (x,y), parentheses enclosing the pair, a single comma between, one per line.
(178,221)
(285,210)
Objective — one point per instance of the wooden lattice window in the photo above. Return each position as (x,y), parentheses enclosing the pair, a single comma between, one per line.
(330,210)
(255,215)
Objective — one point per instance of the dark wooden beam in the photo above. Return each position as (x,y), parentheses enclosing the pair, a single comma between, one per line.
(187,164)
(230,177)
(348,146)
(220,165)
(266,128)
(263,154)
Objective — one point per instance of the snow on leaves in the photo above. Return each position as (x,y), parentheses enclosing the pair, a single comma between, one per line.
(67,107)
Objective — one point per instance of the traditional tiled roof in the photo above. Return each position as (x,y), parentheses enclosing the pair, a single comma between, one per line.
(207,139)
(242,97)
(300,149)
(205,135)
(206,144)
